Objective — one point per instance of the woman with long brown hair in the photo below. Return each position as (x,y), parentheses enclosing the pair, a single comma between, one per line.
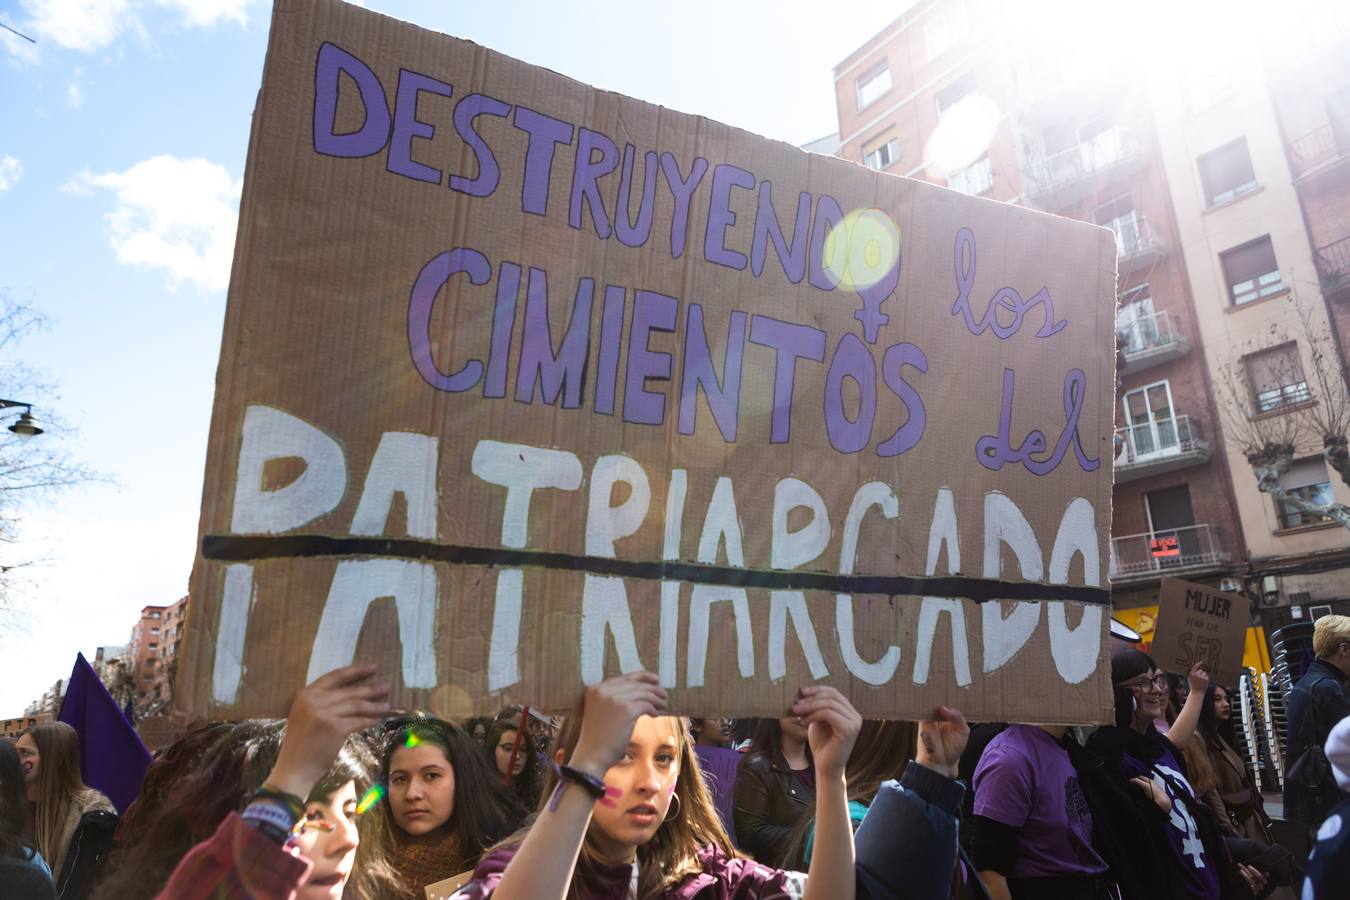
(72,824)
(881,753)
(628,815)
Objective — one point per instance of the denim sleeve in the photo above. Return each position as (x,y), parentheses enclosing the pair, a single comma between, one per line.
(907,843)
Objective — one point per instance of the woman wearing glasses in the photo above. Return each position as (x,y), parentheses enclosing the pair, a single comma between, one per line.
(1173,837)
(627,814)
(445,803)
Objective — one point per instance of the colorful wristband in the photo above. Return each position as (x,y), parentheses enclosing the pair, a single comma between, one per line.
(271,818)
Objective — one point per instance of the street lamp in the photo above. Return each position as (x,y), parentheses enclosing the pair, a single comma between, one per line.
(27,426)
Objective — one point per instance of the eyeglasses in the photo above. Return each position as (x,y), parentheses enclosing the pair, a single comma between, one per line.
(1144,683)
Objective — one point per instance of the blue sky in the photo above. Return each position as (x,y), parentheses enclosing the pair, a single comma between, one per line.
(122,153)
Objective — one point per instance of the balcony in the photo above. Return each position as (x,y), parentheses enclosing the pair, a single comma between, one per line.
(1137,247)
(1333,268)
(1154,448)
(1150,341)
(1068,176)
(1172,551)
(1320,150)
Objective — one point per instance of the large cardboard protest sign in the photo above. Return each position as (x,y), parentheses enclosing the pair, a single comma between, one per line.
(524,383)
(1197,624)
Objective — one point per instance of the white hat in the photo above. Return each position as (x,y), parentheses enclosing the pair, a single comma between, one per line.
(1338,753)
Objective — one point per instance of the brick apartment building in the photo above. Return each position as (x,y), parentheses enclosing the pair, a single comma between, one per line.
(145,652)
(152,654)
(1215,222)
(10,729)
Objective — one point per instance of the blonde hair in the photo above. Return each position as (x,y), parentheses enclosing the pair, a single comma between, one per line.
(671,855)
(1328,633)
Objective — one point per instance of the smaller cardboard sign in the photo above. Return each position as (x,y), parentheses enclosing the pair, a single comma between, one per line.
(1199,624)
(442,890)
(1165,547)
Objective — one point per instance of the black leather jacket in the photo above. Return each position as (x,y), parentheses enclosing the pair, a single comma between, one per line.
(1319,700)
(768,801)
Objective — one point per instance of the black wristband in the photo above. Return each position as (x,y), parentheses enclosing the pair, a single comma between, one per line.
(594,786)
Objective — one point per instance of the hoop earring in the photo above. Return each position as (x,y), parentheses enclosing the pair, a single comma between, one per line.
(674,798)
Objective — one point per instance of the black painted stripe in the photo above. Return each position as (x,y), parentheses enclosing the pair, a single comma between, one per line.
(246,548)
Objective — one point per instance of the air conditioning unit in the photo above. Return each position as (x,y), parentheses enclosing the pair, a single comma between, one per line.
(1230,585)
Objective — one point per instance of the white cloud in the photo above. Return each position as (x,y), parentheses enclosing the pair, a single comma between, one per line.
(89,25)
(11,170)
(209,12)
(74,95)
(79,24)
(173,214)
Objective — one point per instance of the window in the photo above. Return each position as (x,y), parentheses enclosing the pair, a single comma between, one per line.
(1276,378)
(1227,173)
(154,615)
(874,84)
(974,179)
(948,97)
(1135,321)
(1307,480)
(154,646)
(1120,217)
(1206,88)
(1151,424)
(943,29)
(1251,271)
(881,153)
(154,631)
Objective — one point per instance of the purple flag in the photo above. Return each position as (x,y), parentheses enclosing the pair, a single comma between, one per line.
(112,756)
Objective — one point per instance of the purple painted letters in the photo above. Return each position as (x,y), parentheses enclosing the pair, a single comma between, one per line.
(546,133)
(407,126)
(851,360)
(768,227)
(720,216)
(562,373)
(651,312)
(1006,298)
(908,435)
(585,175)
(724,399)
(489,174)
(635,234)
(994,450)
(790,343)
(434,276)
(370,138)
(682,190)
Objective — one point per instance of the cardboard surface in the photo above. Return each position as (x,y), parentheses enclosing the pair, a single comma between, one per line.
(1199,624)
(523,383)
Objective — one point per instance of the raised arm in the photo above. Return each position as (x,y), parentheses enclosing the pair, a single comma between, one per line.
(832,728)
(1182,729)
(542,867)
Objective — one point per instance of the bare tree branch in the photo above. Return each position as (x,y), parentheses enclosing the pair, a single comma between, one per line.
(1274,415)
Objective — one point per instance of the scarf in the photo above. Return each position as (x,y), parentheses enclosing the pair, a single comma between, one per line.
(420,860)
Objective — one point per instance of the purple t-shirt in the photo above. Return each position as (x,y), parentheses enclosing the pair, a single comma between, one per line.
(1199,872)
(1025,780)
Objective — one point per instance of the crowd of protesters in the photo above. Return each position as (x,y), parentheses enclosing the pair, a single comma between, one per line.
(346,798)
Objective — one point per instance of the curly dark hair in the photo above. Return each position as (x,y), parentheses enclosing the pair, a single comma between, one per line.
(212,771)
